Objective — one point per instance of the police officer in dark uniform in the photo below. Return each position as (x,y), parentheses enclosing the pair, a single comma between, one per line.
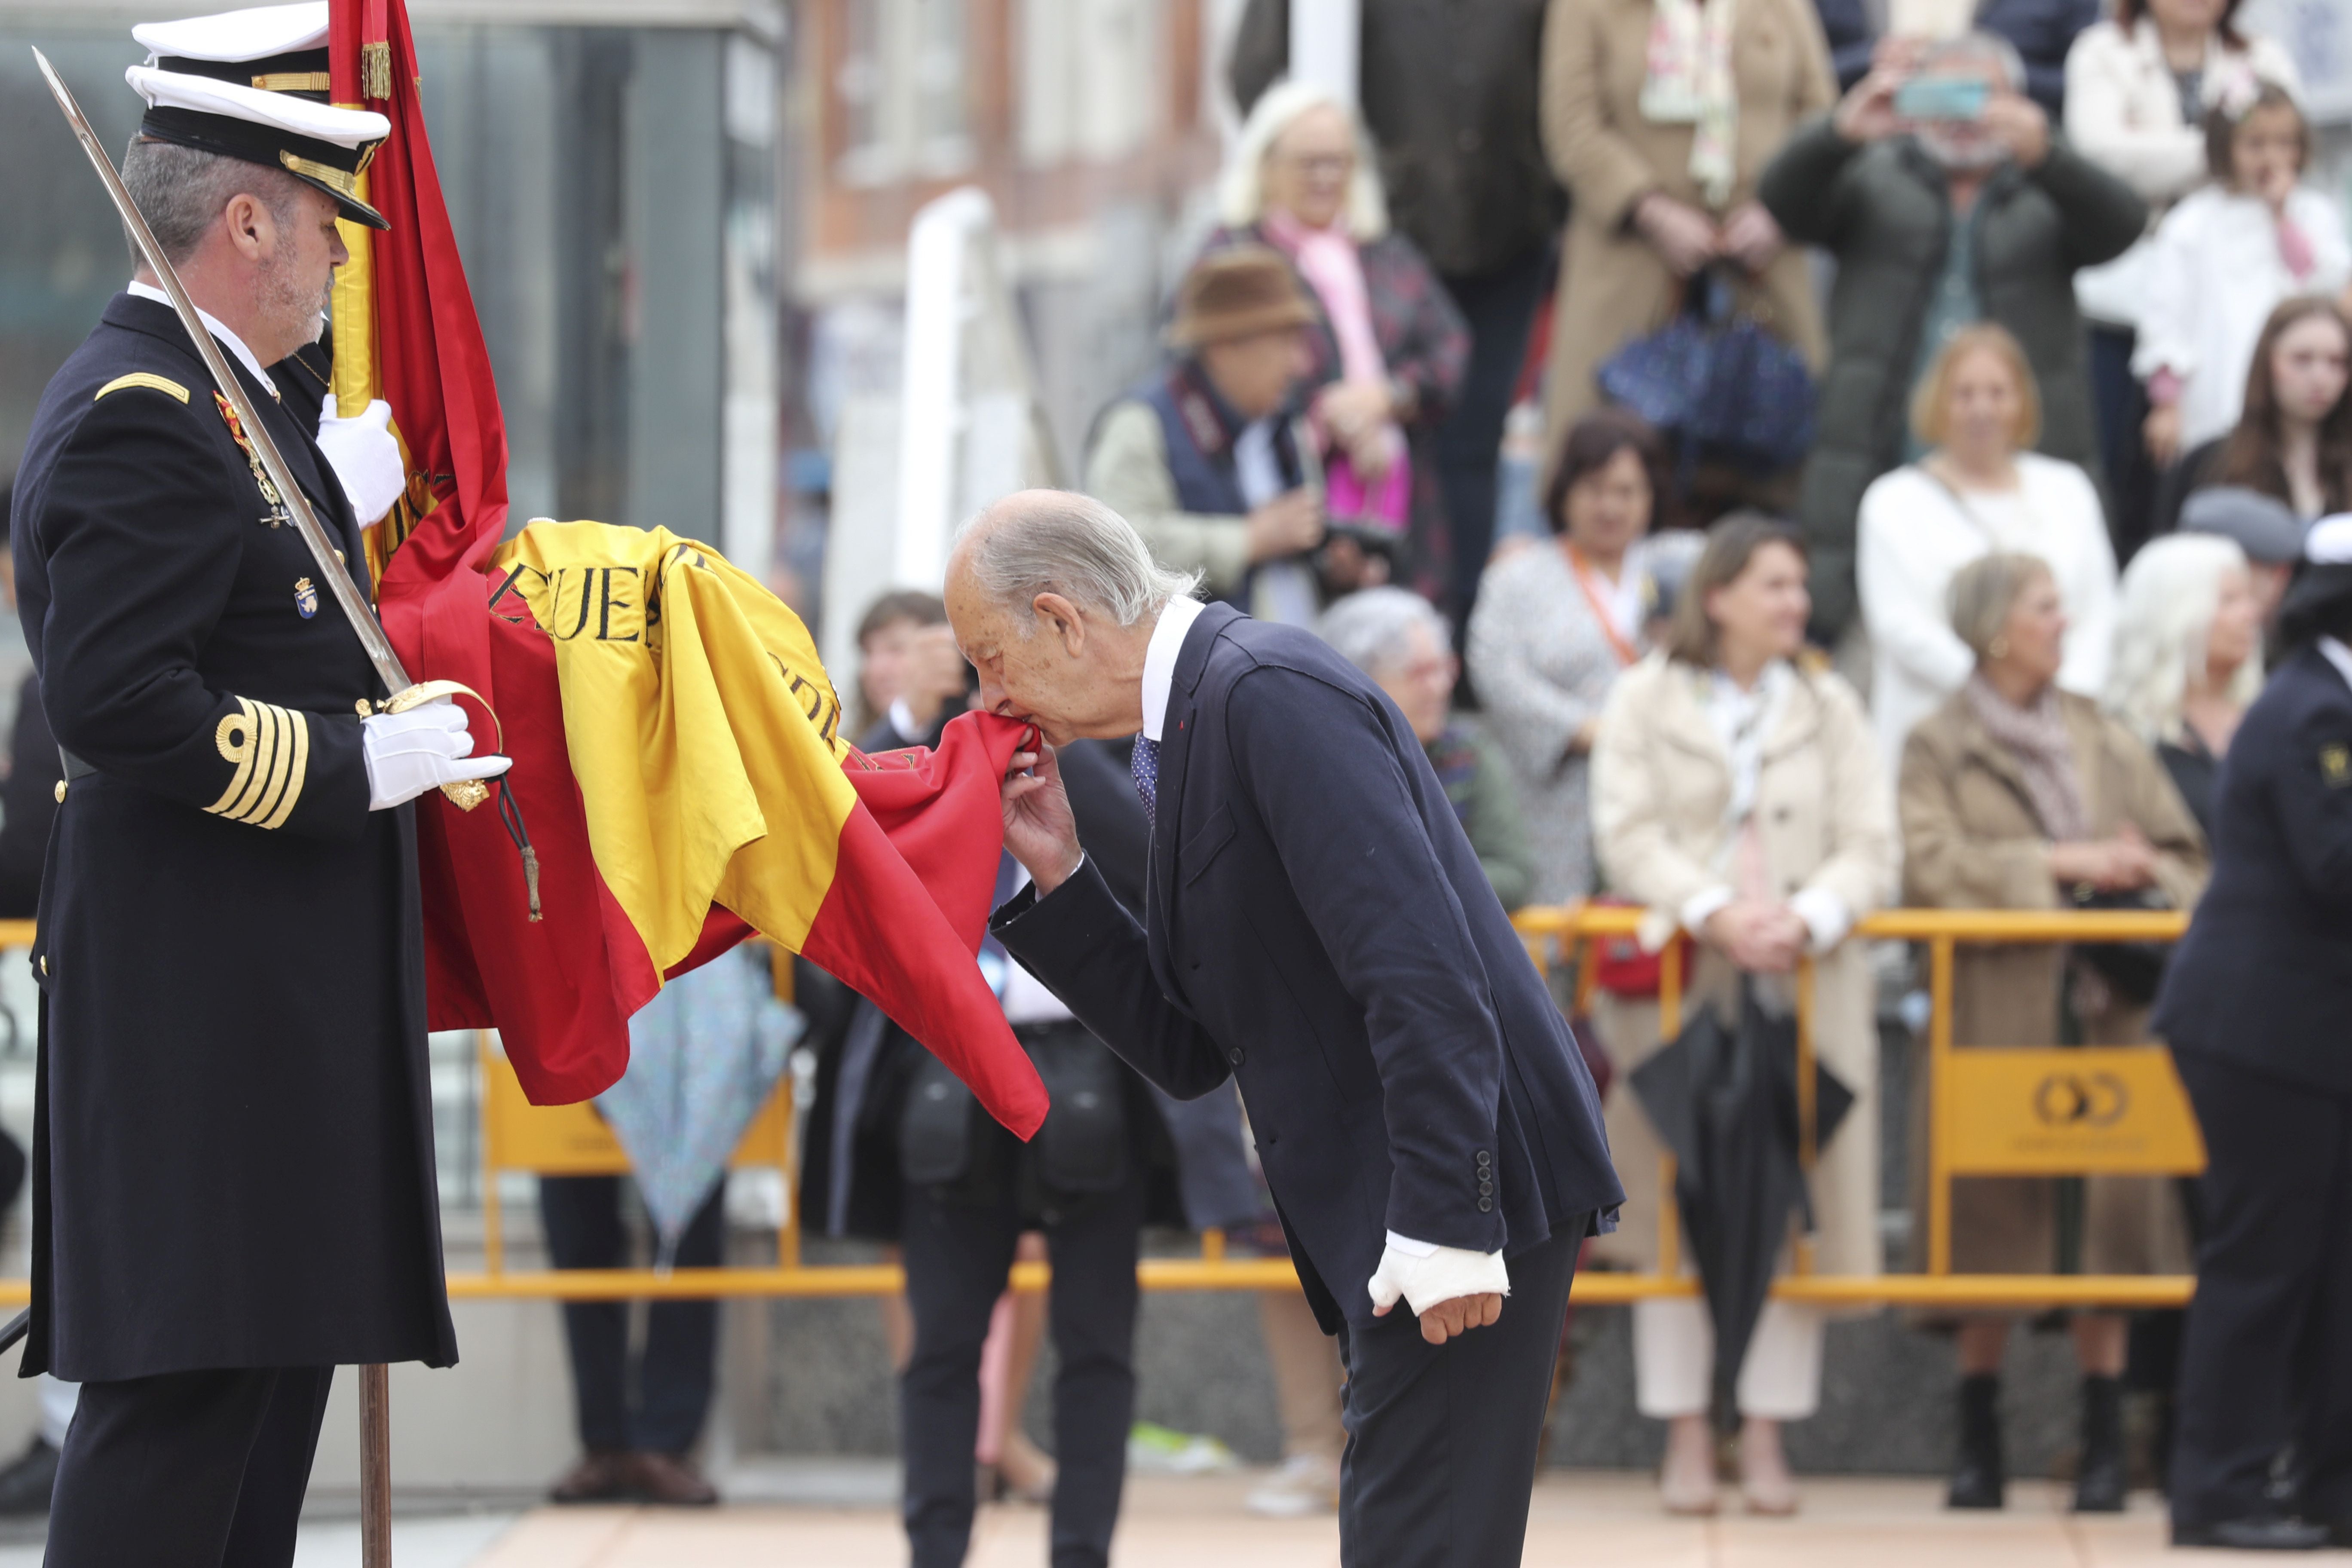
(233,1169)
(2257,1007)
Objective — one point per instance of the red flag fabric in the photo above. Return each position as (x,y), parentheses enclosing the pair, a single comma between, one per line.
(561,990)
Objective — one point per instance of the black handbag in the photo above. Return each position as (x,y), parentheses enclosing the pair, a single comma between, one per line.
(2133,971)
(1719,382)
(935,1127)
(1082,1150)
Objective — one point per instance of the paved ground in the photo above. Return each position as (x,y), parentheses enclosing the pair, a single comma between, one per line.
(1588,1520)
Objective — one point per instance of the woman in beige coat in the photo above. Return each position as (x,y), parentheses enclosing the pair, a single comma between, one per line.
(1738,794)
(1659,127)
(2012,790)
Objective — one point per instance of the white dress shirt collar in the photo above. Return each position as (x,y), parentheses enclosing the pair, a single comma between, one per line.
(1176,618)
(2338,655)
(229,340)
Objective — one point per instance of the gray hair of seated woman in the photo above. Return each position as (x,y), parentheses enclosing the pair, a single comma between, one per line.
(1985,591)
(1371,629)
(2171,590)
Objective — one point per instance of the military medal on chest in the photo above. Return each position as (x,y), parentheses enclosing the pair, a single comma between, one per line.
(277,516)
(306,597)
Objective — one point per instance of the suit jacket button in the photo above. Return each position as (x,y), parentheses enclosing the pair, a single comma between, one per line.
(1485,1159)
(1485,1206)
(61,792)
(1485,1189)
(1235,1055)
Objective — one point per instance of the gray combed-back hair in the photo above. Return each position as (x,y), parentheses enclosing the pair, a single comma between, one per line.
(1368,629)
(1059,541)
(180,191)
(1978,45)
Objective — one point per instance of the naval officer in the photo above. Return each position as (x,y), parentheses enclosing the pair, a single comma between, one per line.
(233,1170)
(2255,1007)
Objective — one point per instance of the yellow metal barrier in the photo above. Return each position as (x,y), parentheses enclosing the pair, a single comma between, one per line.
(1992,1112)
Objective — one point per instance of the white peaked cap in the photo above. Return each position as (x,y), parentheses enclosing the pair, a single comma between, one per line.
(2329,543)
(350,128)
(254,34)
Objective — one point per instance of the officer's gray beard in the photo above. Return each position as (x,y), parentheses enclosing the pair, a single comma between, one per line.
(294,312)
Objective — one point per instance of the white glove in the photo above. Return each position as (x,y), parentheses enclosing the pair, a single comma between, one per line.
(1425,1274)
(421,749)
(365,457)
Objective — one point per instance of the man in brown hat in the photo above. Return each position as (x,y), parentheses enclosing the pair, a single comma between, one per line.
(1205,458)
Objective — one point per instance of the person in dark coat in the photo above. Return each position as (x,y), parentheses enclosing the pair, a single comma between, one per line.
(2040,30)
(1449,93)
(1426,1125)
(1163,1162)
(2253,1006)
(29,804)
(233,1170)
(1933,228)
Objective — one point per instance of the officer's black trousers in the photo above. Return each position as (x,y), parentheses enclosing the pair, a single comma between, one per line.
(1441,1453)
(190,1469)
(2268,1360)
(583,1218)
(958,1255)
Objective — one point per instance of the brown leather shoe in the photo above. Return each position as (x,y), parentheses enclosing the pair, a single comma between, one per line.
(670,1481)
(600,1476)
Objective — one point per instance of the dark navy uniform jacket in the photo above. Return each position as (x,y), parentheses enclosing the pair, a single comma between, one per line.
(233,1160)
(2264,976)
(1319,928)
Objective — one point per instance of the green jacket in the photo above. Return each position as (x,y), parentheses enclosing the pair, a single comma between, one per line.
(1478,785)
(1882,210)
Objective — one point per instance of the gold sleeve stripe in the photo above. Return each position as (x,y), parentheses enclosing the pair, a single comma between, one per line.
(271,748)
(146,379)
(233,736)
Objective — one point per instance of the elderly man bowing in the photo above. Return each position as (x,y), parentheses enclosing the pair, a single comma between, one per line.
(1318,927)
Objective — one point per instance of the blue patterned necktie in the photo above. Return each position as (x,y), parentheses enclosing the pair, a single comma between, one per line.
(1146,767)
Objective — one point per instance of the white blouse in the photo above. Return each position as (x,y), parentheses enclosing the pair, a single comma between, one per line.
(1915,536)
(2214,276)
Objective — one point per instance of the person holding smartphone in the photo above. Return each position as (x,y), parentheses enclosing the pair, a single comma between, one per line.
(1940,189)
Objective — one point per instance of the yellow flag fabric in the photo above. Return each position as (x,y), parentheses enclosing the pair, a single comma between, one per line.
(700,725)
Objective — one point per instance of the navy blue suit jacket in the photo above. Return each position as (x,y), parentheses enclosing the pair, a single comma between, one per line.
(2264,975)
(1318,928)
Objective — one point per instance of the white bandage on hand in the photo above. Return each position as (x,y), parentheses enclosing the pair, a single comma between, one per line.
(424,748)
(365,457)
(1424,1274)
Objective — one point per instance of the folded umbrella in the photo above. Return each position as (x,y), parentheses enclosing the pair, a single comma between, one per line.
(1723,1098)
(704,1055)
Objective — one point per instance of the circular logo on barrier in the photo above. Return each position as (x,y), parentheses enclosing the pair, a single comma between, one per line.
(2081,1100)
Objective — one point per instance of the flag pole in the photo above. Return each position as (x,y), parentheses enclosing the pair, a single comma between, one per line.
(376,1466)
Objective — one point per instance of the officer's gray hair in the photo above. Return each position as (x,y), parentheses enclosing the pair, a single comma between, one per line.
(180,191)
(1058,542)
(1370,629)
(1978,46)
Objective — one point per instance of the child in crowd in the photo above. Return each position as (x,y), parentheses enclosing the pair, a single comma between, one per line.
(2224,258)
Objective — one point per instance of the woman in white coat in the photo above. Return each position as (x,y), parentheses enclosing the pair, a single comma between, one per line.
(2139,85)
(2224,258)
(1981,489)
(1738,795)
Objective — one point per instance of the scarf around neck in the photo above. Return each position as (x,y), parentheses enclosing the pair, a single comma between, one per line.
(1690,82)
(2038,740)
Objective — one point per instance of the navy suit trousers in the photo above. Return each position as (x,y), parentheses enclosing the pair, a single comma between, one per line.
(1442,1439)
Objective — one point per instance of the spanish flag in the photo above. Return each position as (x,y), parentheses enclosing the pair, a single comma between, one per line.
(680,791)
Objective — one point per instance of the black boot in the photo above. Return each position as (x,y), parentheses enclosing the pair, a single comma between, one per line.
(2102,1481)
(1977,1475)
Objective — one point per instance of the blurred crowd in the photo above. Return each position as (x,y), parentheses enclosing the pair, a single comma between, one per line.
(1934,400)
